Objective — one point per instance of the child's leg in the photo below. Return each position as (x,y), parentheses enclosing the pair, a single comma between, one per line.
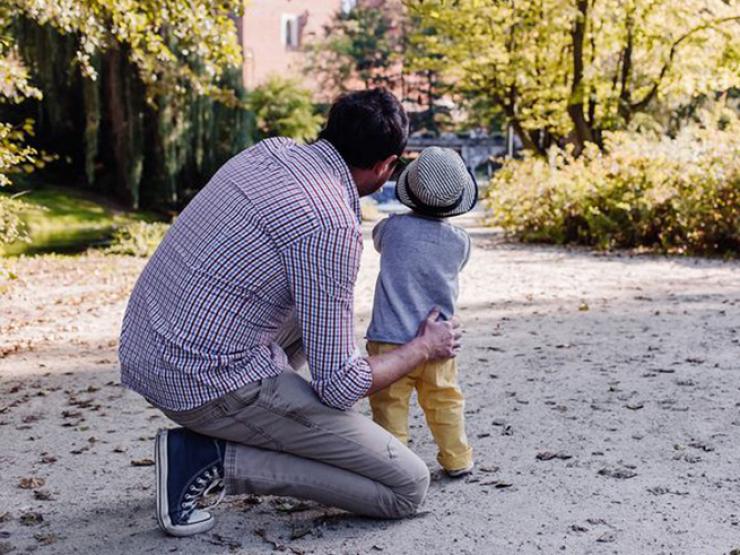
(390,406)
(443,404)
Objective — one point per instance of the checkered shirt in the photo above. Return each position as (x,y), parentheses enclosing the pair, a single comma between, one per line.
(275,233)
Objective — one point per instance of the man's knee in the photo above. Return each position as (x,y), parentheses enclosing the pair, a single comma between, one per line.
(410,494)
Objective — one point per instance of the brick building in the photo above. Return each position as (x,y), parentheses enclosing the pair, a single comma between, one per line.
(273,32)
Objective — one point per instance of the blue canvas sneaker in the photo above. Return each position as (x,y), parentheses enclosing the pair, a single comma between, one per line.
(189,466)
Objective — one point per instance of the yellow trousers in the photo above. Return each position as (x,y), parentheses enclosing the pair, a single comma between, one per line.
(439,397)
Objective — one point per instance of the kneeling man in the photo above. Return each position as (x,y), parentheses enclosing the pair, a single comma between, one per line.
(256,277)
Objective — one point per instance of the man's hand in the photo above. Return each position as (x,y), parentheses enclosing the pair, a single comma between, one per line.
(434,340)
(440,337)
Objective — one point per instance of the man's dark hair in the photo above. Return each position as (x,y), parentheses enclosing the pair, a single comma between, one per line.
(367,127)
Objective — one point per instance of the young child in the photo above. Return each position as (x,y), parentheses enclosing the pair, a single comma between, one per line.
(421,257)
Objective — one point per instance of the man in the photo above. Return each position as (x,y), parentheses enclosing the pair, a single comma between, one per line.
(255,276)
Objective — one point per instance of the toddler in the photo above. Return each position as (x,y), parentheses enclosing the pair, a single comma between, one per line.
(421,257)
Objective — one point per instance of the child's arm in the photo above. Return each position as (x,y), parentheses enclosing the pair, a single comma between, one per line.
(378,234)
(466,256)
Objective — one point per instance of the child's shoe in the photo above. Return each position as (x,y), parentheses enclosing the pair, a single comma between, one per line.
(460,472)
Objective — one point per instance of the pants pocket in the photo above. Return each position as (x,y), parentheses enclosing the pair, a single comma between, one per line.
(245,396)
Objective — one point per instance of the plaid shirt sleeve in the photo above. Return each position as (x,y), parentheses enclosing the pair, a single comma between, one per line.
(322,269)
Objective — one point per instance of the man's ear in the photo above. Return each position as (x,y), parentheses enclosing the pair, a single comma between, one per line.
(385,167)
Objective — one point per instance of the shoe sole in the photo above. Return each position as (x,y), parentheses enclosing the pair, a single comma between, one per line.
(163,516)
(461,472)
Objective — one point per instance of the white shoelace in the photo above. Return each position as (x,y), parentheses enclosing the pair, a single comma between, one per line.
(202,487)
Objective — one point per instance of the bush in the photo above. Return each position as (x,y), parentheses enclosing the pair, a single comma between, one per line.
(283,108)
(137,239)
(677,194)
(12,226)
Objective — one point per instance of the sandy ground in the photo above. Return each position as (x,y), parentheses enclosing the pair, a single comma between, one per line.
(603,402)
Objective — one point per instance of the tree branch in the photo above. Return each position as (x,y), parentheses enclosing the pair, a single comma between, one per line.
(642,104)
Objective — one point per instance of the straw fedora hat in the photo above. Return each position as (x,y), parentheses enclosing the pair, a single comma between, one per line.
(438,184)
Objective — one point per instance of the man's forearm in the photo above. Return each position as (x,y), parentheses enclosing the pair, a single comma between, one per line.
(394,365)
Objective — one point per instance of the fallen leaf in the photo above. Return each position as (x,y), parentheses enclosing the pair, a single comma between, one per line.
(42,495)
(490,469)
(142,462)
(31,418)
(31,518)
(300,531)
(218,539)
(290,507)
(45,539)
(660,490)
(701,445)
(578,528)
(618,473)
(260,532)
(31,483)
(549,455)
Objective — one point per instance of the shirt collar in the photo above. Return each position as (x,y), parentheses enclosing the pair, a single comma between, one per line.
(337,163)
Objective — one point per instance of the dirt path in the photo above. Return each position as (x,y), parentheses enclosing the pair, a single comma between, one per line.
(603,403)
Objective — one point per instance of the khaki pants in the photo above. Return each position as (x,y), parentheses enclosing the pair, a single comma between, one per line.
(439,397)
(282,440)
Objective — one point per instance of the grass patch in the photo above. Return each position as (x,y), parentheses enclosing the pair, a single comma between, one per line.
(65,220)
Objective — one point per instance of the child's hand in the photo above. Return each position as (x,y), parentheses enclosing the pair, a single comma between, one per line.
(441,337)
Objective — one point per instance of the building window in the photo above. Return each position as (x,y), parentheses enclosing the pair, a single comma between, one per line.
(290,31)
(348,6)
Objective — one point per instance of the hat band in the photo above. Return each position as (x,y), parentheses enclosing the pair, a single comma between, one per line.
(433,209)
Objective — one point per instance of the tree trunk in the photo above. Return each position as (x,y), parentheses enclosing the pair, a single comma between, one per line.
(117,120)
(582,131)
(625,95)
(91,104)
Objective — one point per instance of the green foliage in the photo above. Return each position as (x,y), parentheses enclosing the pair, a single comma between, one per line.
(569,70)
(283,108)
(357,45)
(15,154)
(137,239)
(13,228)
(678,195)
(56,219)
(370,46)
(142,99)
(174,45)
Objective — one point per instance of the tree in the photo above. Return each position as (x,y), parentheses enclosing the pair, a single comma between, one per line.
(357,46)
(172,43)
(143,97)
(566,71)
(369,45)
(15,154)
(283,108)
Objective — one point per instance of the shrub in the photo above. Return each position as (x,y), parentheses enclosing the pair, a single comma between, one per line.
(12,226)
(677,194)
(283,108)
(137,239)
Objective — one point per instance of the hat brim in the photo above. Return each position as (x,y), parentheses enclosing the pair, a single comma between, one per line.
(468,202)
